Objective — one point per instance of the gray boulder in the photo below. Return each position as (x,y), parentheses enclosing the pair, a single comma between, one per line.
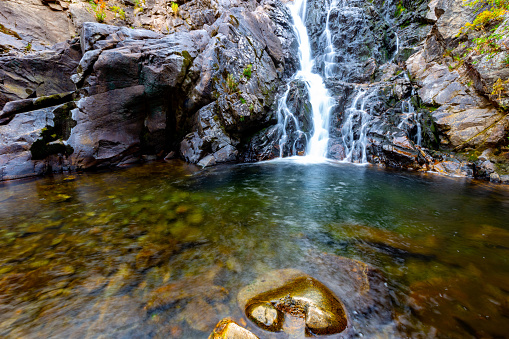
(34,142)
(39,74)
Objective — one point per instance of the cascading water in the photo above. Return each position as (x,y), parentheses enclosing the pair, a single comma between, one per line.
(330,53)
(343,55)
(410,118)
(320,100)
(355,139)
(289,124)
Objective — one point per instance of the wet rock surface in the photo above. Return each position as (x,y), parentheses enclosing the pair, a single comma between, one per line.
(272,142)
(457,82)
(290,293)
(39,74)
(344,294)
(202,90)
(376,115)
(229,329)
(31,143)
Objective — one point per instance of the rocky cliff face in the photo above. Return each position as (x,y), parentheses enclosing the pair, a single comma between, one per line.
(197,92)
(404,97)
(457,83)
(203,80)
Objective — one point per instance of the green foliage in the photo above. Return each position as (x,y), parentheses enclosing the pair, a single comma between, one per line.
(479,4)
(100,16)
(447,53)
(487,44)
(99,8)
(499,88)
(505,61)
(242,100)
(119,11)
(495,13)
(247,71)
(430,108)
(138,4)
(485,19)
(28,47)
(472,156)
(231,84)
(399,9)
(174,8)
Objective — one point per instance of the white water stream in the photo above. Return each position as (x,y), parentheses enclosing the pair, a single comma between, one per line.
(357,119)
(320,99)
(355,147)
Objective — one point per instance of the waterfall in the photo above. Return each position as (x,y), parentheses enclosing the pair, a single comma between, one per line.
(320,99)
(329,61)
(339,61)
(288,122)
(355,139)
(410,118)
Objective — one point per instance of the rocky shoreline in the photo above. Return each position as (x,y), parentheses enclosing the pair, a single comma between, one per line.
(201,81)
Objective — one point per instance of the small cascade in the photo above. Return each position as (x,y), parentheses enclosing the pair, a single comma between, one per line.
(321,101)
(409,119)
(355,128)
(291,131)
(396,53)
(330,53)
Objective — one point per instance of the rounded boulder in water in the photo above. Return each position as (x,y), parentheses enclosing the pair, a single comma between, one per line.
(284,296)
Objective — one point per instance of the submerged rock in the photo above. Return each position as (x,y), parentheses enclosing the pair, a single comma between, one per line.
(338,296)
(297,295)
(228,329)
(274,299)
(189,289)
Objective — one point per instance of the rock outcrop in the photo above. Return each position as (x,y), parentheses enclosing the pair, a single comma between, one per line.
(39,74)
(32,142)
(32,25)
(199,91)
(457,84)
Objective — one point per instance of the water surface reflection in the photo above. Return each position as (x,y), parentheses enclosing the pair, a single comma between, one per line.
(89,254)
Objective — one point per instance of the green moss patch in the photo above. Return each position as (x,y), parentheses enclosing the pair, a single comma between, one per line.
(8,31)
(51,138)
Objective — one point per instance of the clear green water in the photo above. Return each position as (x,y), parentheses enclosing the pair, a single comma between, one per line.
(87,255)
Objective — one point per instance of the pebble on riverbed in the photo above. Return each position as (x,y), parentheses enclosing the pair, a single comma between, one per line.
(226,329)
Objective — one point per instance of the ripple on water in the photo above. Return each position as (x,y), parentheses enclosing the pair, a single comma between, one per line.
(163,249)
